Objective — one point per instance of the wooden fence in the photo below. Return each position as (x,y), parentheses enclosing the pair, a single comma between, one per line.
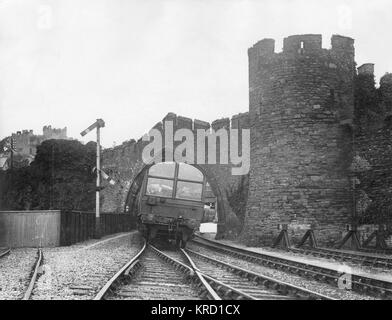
(78,226)
(51,228)
(30,228)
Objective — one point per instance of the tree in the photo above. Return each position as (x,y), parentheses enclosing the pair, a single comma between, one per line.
(60,177)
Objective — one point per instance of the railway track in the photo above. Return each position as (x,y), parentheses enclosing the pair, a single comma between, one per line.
(376,251)
(168,274)
(347,256)
(359,283)
(34,275)
(4,252)
(152,274)
(250,284)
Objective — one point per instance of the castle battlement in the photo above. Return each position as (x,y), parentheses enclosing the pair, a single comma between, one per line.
(303,44)
(237,121)
(26,141)
(55,133)
(23,133)
(366,68)
(303,72)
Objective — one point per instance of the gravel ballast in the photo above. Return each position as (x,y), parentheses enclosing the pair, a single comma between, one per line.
(376,272)
(78,272)
(15,270)
(312,285)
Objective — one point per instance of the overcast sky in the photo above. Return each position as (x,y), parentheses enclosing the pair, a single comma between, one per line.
(68,62)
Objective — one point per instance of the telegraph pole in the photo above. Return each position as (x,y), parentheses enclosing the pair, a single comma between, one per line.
(97,205)
(97,124)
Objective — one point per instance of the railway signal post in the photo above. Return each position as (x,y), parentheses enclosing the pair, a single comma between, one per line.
(97,125)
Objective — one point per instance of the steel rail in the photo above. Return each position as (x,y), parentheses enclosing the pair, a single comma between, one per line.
(228,291)
(220,285)
(354,257)
(203,284)
(135,263)
(126,268)
(278,285)
(33,278)
(360,283)
(201,277)
(375,250)
(5,252)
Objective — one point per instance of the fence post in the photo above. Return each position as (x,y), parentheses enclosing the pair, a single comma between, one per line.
(91,219)
(63,228)
(83,226)
(104,224)
(78,226)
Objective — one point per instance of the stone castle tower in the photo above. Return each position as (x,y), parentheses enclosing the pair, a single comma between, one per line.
(26,141)
(301,109)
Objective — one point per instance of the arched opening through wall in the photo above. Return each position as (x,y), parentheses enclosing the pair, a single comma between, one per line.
(172,201)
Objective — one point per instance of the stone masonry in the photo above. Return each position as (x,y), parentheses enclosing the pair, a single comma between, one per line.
(320,146)
(301,106)
(124,163)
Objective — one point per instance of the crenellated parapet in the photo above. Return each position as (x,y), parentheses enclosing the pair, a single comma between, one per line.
(302,68)
(54,133)
(366,69)
(238,121)
(26,141)
(296,46)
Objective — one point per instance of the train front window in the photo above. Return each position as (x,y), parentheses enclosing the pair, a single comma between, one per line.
(163,170)
(159,187)
(188,172)
(175,180)
(189,190)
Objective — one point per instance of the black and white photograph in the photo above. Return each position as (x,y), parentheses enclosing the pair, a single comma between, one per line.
(194,153)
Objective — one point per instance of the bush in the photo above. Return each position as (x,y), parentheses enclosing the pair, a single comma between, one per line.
(60,177)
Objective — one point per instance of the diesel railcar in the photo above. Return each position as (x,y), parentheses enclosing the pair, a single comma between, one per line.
(171,201)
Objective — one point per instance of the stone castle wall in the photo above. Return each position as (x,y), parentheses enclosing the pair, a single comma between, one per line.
(124,163)
(371,168)
(320,145)
(301,105)
(26,141)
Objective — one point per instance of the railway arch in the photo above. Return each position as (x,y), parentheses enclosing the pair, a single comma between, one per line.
(124,163)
